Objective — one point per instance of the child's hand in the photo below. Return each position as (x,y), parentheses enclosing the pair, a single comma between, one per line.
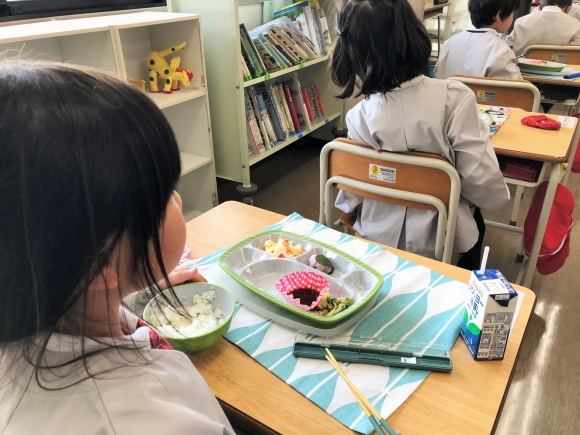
(183,274)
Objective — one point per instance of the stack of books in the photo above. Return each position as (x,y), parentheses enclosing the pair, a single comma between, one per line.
(277,110)
(299,33)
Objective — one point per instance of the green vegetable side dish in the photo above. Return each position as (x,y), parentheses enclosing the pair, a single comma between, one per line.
(329,306)
(338,305)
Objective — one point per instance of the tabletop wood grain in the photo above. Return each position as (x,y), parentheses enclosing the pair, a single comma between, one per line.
(465,401)
(518,140)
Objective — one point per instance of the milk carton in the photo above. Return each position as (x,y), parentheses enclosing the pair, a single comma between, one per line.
(489,311)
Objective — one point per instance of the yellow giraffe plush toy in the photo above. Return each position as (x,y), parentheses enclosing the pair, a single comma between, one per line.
(169,72)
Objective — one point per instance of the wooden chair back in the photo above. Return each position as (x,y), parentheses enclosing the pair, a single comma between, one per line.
(410,178)
(555,53)
(491,94)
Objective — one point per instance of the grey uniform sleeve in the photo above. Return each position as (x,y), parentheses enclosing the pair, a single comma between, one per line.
(482,182)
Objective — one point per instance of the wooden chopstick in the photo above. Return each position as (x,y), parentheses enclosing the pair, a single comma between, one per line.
(366,406)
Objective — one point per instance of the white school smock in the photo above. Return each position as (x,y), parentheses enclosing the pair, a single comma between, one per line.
(165,396)
(575,11)
(431,116)
(549,26)
(477,52)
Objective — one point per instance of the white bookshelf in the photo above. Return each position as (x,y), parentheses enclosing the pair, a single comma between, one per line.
(221,20)
(119,45)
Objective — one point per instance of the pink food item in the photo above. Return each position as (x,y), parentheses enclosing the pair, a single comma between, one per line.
(303,289)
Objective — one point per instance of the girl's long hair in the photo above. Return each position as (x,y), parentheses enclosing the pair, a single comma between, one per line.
(86,161)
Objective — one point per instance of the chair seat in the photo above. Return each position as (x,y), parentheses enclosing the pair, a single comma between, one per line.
(348,219)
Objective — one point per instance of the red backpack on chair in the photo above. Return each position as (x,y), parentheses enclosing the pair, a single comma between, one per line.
(556,244)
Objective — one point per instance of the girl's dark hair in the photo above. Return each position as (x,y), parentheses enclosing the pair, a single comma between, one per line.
(380,44)
(483,12)
(86,161)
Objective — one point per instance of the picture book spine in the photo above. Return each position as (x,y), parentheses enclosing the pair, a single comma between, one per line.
(253,146)
(325,29)
(292,108)
(250,59)
(275,118)
(291,34)
(286,109)
(308,103)
(290,46)
(269,61)
(282,61)
(253,49)
(294,84)
(318,100)
(273,94)
(318,29)
(278,47)
(313,101)
(257,140)
(258,115)
(311,29)
(245,71)
(266,118)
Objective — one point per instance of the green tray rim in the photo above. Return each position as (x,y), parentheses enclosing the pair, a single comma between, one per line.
(314,318)
(532,67)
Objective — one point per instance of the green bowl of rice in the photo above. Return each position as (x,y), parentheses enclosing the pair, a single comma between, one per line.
(211,309)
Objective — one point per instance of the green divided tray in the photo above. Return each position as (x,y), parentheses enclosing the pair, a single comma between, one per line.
(259,272)
(540,66)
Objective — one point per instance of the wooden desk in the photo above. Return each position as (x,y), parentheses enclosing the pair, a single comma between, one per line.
(517,140)
(548,81)
(466,401)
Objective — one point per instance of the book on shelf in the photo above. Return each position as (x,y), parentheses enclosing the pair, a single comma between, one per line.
(299,105)
(298,34)
(280,110)
(259,117)
(246,72)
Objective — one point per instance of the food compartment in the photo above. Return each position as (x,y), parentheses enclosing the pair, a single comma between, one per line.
(260,241)
(264,275)
(342,265)
(242,257)
(360,281)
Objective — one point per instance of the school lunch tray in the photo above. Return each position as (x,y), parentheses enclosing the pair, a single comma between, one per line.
(257,271)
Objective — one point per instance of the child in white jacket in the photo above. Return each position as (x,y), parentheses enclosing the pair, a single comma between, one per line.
(551,24)
(88,215)
(383,50)
(481,51)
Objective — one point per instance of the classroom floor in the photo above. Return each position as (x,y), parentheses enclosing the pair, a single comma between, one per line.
(545,392)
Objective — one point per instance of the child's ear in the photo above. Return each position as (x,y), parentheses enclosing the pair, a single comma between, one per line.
(568,9)
(107,279)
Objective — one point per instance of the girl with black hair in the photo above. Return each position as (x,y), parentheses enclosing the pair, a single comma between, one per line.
(88,215)
(381,53)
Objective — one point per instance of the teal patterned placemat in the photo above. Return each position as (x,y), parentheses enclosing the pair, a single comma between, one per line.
(415,305)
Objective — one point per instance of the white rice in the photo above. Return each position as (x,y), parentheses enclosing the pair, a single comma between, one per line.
(204,318)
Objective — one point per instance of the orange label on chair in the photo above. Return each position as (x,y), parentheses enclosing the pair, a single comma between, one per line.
(382,173)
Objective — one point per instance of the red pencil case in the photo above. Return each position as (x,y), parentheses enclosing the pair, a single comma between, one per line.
(521,172)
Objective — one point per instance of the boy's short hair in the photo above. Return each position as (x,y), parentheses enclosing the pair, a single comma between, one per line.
(559,3)
(483,12)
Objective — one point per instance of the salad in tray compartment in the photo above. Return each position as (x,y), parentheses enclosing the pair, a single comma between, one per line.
(302,275)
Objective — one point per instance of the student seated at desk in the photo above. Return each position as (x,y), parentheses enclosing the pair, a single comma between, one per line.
(88,215)
(550,25)
(481,51)
(382,50)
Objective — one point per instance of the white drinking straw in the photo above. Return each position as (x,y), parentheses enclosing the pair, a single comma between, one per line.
(484,260)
